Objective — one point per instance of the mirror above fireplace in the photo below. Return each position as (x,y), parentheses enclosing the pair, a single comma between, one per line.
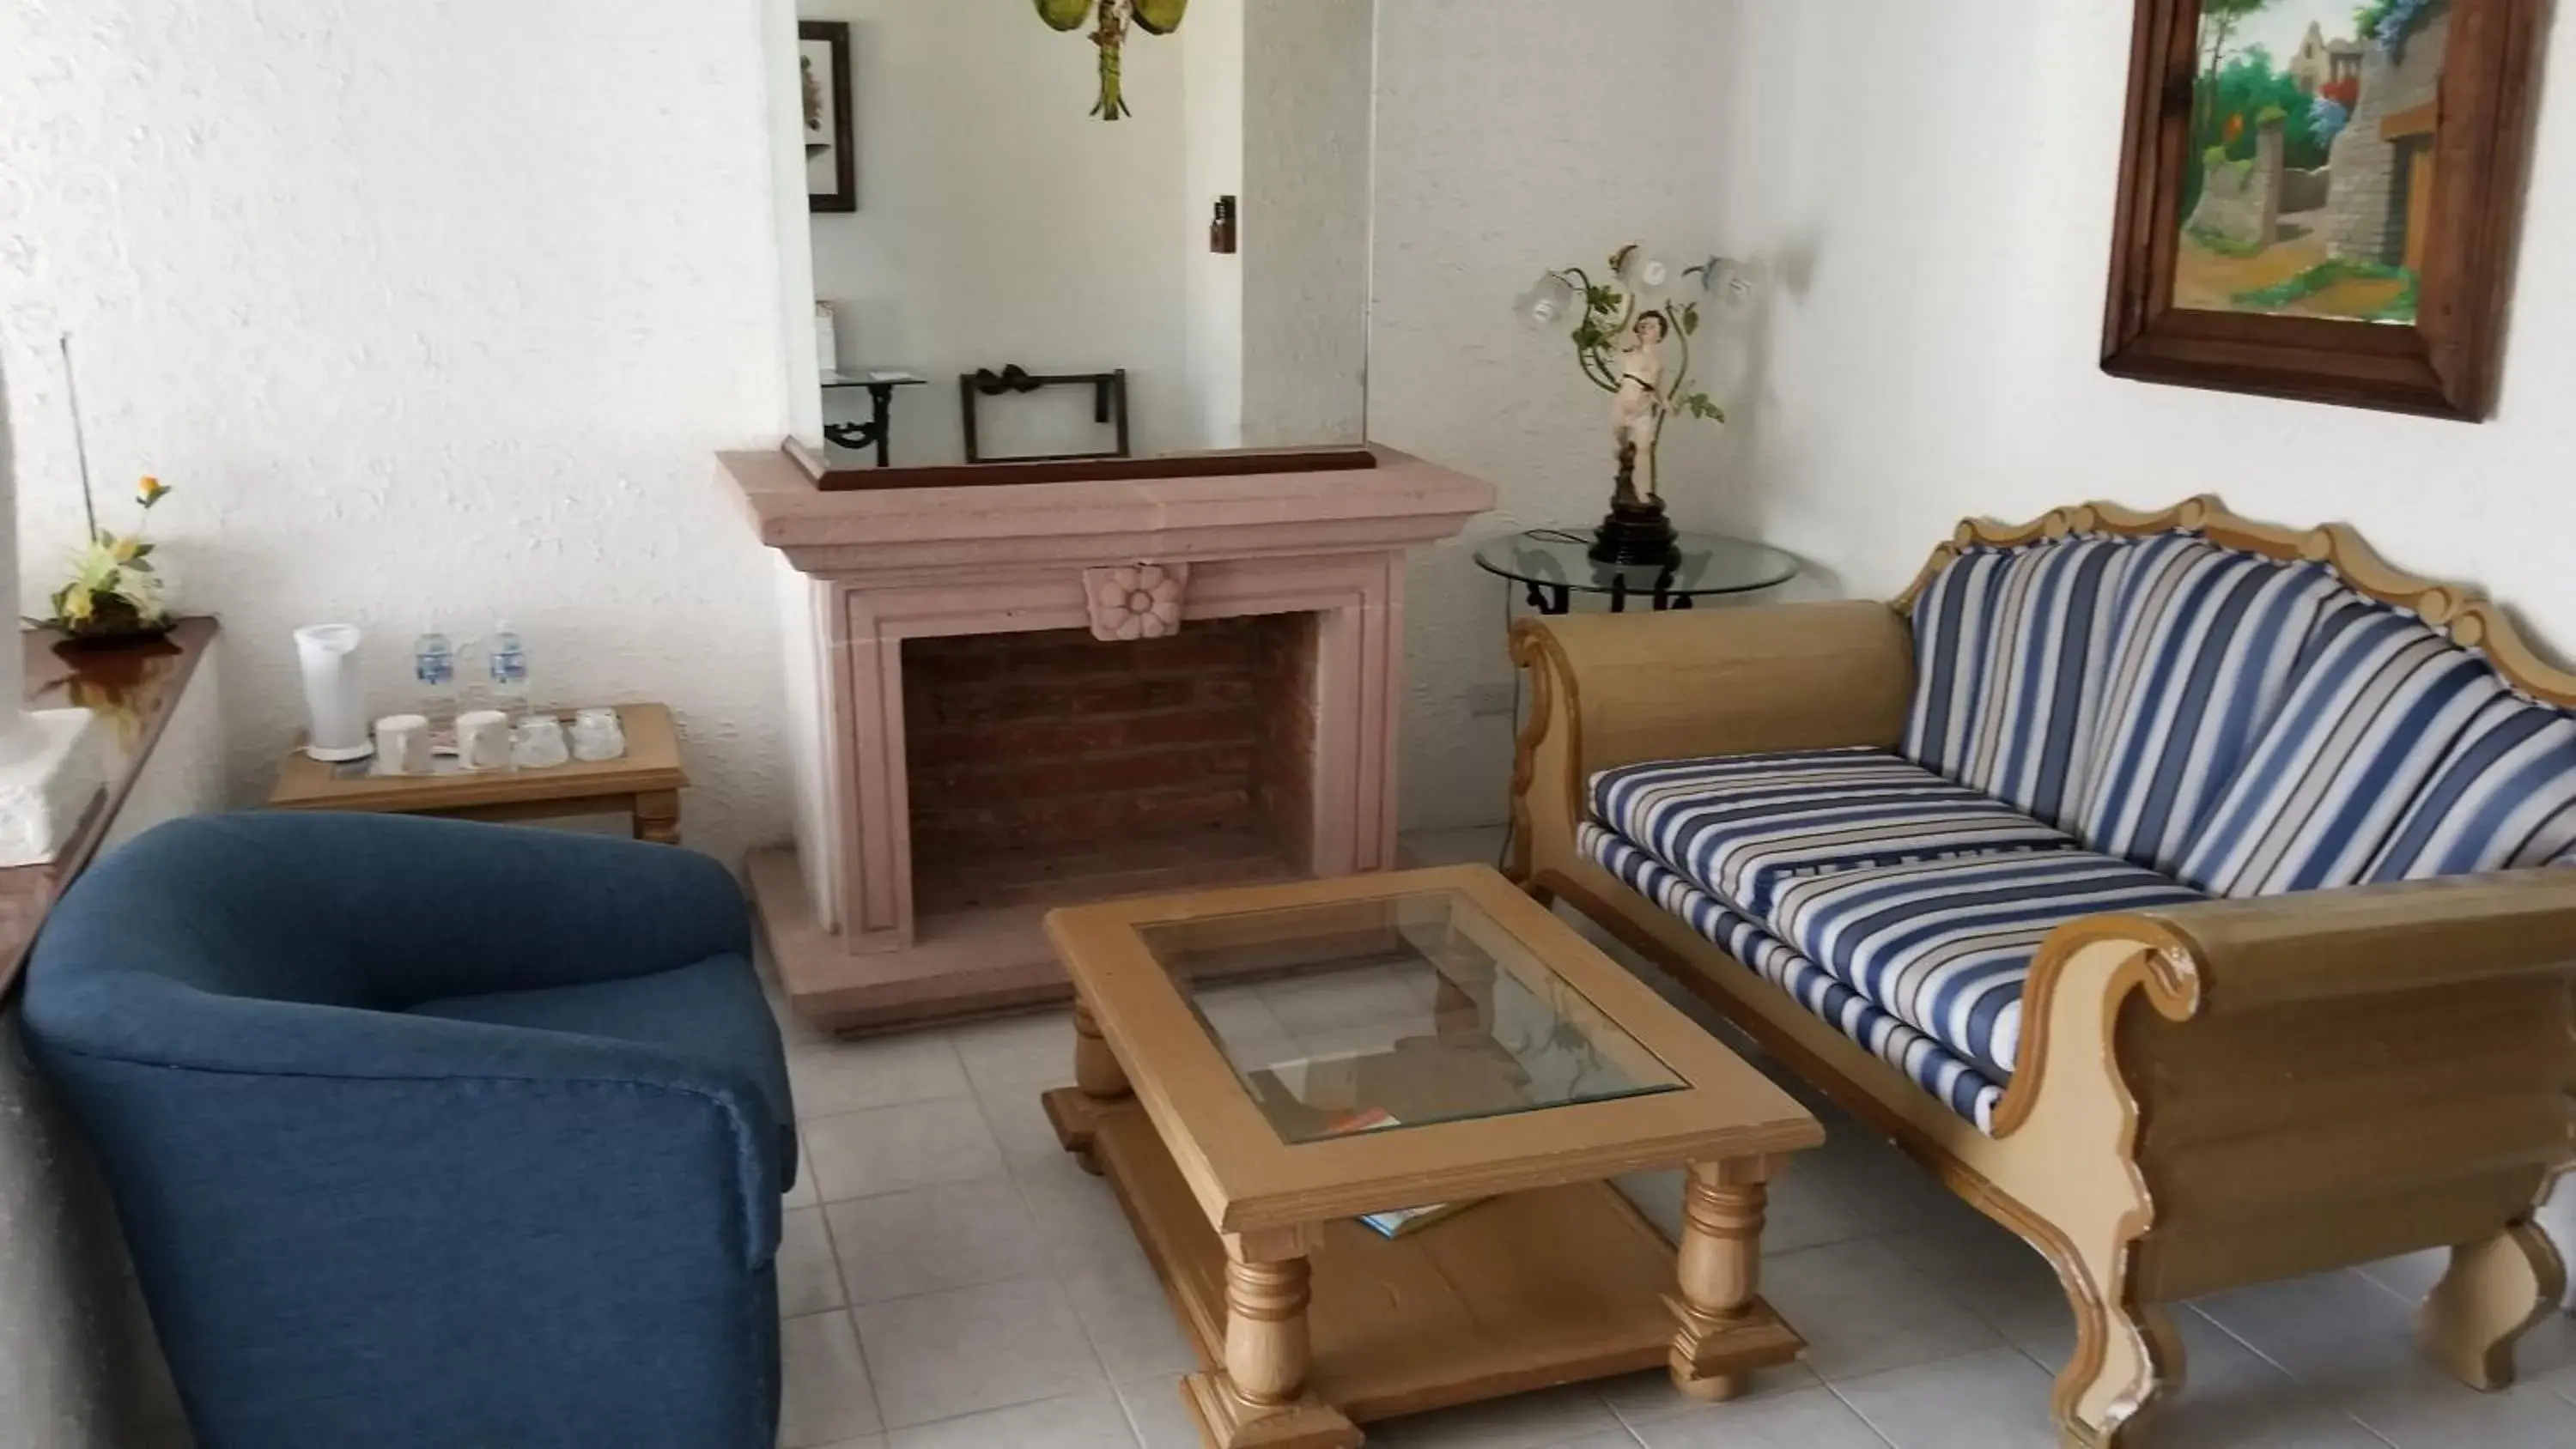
(1037,256)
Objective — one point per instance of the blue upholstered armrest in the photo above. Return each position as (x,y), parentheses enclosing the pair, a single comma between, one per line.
(295,947)
(388,911)
(85,1023)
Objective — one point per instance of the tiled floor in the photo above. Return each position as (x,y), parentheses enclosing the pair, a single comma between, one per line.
(953,1281)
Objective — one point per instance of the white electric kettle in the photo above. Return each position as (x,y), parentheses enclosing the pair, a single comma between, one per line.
(335,704)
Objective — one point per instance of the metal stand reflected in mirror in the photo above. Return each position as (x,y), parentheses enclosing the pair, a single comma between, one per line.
(1108,405)
(877,432)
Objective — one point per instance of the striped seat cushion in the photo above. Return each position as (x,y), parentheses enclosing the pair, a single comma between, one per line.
(2206,642)
(1740,826)
(2376,703)
(1931,1066)
(2501,798)
(1945,946)
(2010,647)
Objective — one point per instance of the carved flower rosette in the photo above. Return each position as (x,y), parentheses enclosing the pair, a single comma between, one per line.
(1136,601)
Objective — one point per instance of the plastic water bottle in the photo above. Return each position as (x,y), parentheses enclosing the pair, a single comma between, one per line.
(433,676)
(508,659)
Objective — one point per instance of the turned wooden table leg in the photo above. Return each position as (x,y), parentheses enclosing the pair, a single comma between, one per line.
(1099,1084)
(1095,1067)
(1721,1269)
(1259,1397)
(657,816)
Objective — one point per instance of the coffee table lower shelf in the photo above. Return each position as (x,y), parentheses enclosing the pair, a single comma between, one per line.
(1522,1292)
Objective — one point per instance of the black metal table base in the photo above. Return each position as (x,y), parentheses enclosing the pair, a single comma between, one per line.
(1555,599)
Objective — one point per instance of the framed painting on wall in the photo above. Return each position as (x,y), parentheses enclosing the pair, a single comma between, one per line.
(2319,198)
(831,132)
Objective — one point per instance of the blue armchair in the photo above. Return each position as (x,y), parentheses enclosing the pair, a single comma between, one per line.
(428,1135)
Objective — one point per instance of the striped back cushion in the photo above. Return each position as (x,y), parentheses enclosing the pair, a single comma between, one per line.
(2205,645)
(2009,645)
(2376,703)
(2503,797)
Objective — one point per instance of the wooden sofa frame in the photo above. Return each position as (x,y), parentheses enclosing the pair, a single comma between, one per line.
(2207,1096)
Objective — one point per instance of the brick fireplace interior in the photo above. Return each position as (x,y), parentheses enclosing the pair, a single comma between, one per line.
(1053,766)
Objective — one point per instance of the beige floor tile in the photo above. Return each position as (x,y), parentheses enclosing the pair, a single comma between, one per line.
(1992,1400)
(942,1355)
(1019,1122)
(1807,1419)
(2232,1397)
(1035,1052)
(1089,1420)
(1979,1401)
(1076,1214)
(871,1441)
(826,1393)
(927,1239)
(1128,1317)
(1864,1310)
(808,1280)
(1155,1412)
(877,1071)
(802,1193)
(1999,1277)
(887,1149)
(1526,1421)
(1649,1397)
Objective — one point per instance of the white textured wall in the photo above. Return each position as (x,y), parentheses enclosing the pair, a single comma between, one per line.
(430,313)
(1212,58)
(1305,124)
(998,223)
(1516,135)
(1934,350)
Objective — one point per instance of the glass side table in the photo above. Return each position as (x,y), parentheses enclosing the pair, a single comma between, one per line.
(1553,565)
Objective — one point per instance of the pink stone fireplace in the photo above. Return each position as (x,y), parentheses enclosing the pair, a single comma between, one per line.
(1030,694)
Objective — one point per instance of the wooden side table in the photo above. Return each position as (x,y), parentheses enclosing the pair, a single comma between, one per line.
(645,784)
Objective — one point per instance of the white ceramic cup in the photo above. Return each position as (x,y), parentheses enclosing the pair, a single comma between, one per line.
(596,735)
(539,743)
(483,739)
(402,745)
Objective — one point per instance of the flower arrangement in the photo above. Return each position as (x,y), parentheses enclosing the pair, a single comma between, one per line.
(114,591)
(1622,328)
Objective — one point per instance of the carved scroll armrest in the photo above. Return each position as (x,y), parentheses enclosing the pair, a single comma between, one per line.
(2373,1032)
(1618,689)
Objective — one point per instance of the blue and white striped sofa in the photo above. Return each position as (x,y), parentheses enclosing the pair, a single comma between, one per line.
(1891,841)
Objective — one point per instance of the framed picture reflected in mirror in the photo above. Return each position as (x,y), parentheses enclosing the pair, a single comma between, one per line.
(831,130)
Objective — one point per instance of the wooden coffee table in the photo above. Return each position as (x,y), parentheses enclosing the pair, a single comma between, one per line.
(1259,1067)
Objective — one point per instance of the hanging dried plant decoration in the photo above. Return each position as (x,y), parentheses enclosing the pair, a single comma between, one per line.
(1110,20)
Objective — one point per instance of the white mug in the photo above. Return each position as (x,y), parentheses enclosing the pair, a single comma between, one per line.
(483,739)
(596,735)
(539,744)
(402,745)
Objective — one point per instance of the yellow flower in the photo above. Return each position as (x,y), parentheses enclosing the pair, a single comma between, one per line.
(150,490)
(77,604)
(124,548)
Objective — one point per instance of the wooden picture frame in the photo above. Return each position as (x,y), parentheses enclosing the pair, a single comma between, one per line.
(2452,187)
(831,125)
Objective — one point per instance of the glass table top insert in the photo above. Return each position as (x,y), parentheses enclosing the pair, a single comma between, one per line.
(1373,1015)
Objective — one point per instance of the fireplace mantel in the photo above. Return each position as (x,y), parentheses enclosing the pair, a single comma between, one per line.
(873,570)
(1402,502)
